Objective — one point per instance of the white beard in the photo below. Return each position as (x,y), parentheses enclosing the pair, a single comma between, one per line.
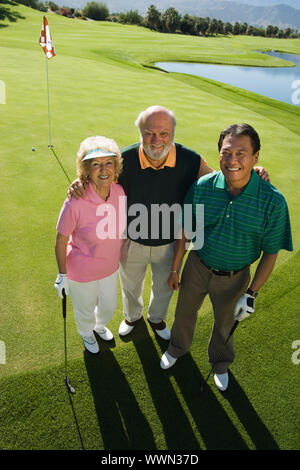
(153,155)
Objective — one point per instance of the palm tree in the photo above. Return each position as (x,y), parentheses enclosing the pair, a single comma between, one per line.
(220,29)
(269,31)
(243,28)
(228,28)
(213,27)
(171,19)
(153,18)
(236,28)
(187,25)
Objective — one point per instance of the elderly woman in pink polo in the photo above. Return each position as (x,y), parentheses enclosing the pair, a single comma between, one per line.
(89,239)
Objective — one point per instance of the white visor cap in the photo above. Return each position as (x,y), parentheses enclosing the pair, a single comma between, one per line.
(98,153)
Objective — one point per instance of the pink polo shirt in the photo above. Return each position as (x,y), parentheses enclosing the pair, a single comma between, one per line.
(95,229)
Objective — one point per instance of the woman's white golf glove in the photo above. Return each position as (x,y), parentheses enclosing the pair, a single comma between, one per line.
(61,282)
(245,305)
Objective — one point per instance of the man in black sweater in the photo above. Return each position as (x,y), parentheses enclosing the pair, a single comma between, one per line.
(156,176)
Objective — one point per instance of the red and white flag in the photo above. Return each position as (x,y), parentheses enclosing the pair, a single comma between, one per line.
(46,41)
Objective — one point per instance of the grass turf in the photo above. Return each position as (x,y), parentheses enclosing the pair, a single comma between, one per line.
(123,390)
(98,86)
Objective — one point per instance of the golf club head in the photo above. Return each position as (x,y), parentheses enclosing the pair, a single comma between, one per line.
(69,386)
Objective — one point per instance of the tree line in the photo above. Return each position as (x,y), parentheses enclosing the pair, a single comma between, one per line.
(169,21)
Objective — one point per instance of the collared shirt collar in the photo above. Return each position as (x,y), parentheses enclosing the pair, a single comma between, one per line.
(251,188)
(170,160)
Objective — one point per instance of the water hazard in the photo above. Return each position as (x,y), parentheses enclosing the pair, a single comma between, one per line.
(280,83)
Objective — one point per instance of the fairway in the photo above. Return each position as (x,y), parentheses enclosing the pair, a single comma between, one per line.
(100,79)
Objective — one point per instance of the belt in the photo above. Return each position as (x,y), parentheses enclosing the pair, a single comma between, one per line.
(222,273)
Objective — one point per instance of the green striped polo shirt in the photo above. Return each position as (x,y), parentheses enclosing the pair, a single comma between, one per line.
(238,229)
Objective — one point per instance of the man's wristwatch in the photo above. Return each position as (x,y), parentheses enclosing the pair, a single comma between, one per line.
(252,293)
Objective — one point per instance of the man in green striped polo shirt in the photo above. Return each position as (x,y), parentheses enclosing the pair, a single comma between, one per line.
(244,217)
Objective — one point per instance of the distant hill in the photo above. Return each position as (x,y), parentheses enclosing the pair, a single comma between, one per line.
(282,15)
(291,3)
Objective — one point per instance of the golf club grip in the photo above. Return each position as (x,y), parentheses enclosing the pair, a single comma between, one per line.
(64,304)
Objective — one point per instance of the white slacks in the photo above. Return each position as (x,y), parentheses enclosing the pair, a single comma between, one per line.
(94,302)
(132,275)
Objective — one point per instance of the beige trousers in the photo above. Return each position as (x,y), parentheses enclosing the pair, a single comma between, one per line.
(132,272)
(224,291)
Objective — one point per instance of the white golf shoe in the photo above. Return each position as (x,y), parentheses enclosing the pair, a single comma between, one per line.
(104,333)
(164,334)
(167,361)
(126,327)
(221,381)
(91,344)
(161,329)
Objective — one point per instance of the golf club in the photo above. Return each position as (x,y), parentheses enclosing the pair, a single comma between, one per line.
(71,389)
(64,309)
(221,352)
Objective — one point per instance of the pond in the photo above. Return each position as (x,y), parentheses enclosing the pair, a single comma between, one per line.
(280,83)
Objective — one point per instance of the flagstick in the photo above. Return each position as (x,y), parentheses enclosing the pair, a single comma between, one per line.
(49,125)
(49,122)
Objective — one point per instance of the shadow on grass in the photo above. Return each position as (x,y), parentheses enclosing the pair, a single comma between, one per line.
(123,423)
(178,432)
(212,423)
(260,435)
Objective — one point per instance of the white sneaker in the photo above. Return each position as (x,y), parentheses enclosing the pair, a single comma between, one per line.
(125,329)
(164,334)
(221,381)
(91,344)
(167,361)
(104,333)
(161,329)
